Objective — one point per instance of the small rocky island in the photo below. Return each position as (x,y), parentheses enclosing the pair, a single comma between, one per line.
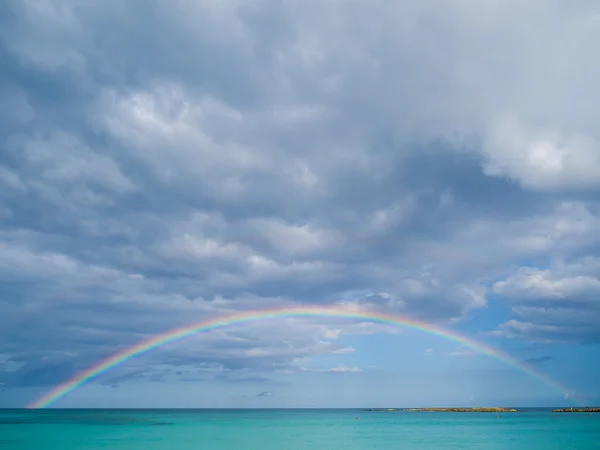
(382,409)
(487,410)
(577,410)
(490,410)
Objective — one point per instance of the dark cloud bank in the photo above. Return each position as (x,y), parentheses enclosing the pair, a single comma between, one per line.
(203,158)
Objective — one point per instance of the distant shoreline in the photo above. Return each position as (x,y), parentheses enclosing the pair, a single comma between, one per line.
(488,410)
(577,410)
(591,409)
(482,410)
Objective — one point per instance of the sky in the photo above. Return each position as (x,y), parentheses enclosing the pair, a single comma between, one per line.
(167,162)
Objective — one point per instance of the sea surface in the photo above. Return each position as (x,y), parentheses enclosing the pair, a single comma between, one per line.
(293,430)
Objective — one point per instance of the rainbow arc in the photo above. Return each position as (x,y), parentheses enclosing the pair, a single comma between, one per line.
(107,364)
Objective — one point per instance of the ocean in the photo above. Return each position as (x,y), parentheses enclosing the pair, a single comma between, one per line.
(57,429)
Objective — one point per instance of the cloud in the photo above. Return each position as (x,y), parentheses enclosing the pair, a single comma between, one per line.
(344,350)
(540,359)
(558,303)
(344,369)
(424,159)
(463,351)
(542,159)
(266,394)
(337,369)
(535,285)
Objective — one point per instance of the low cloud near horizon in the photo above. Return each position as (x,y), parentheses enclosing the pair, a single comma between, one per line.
(539,359)
(266,394)
(438,160)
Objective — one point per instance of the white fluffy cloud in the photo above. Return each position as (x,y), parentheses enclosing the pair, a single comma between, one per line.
(561,302)
(542,159)
(536,284)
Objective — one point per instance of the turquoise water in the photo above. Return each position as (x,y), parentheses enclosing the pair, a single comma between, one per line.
(293,429)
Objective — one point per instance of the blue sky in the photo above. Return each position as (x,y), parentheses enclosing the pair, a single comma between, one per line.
(165,162)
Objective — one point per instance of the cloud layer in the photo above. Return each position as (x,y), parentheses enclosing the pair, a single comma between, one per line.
(434,159)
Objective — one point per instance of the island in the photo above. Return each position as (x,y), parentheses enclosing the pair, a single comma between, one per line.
(577,410)
(382,409)
(485,410)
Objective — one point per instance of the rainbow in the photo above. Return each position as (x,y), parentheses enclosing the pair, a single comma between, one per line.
(288,312)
